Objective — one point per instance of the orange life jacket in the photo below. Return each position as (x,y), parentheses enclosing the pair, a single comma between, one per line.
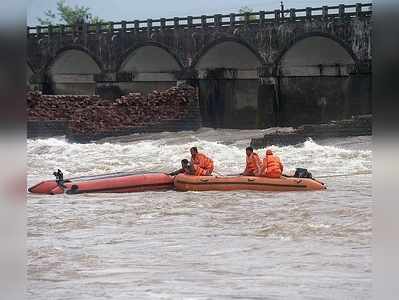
(254,164)
(198,171)
(272,166)
(203,162)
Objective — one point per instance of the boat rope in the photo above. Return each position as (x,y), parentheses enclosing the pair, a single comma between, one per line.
(316,177)
(345,175)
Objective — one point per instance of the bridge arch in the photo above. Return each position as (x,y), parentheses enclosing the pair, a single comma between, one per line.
(72,71)
(132,52)
(316,81)
(220,54)
(228,83)
(216,49)
(311,50)
(152,65)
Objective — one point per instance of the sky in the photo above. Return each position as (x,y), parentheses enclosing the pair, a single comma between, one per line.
(129,10)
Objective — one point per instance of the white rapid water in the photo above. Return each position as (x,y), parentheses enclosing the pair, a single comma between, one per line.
(210,245)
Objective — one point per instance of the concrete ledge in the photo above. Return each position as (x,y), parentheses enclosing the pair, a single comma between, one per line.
(357,126)
(170,125)
(45,129)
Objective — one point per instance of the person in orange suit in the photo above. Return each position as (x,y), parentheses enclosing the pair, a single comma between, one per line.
(272,166)
(202,165)
(254,164)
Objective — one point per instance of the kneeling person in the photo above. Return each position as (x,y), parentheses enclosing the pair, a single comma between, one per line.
(272,166)
(254,164)
(201,164)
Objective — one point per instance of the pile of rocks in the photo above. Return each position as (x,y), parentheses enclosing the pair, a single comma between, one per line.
(56,107)
(91,114)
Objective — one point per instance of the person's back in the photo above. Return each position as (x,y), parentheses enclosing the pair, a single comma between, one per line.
(203,161)
(272,166)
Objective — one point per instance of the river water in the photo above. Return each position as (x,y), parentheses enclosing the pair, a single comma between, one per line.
(200,245)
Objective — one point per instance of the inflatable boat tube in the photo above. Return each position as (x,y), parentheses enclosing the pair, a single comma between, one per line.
(107,183)
(224,183)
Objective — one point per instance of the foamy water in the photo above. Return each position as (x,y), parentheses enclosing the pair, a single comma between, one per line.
(200,245)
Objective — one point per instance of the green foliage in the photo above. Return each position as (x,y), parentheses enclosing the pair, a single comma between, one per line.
(68,15)
(49,16)
(246,9)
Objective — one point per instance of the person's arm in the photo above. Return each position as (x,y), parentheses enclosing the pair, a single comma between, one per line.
(245,171)
(191,170)
(176,172)
(264,167)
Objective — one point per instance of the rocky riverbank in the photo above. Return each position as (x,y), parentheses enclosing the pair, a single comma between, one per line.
(356,126)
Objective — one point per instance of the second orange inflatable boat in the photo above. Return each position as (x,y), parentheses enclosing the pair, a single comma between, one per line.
(226,183)
(107,183)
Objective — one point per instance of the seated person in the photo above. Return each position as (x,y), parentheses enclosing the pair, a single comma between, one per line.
(272,166)
(202,165)
(254,164)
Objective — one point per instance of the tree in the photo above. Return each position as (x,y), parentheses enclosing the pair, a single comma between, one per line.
(69,15)
(244,10)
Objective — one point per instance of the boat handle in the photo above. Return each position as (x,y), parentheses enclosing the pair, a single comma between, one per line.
(251,179)
(204,180)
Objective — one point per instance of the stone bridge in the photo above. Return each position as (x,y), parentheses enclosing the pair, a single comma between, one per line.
(269,68)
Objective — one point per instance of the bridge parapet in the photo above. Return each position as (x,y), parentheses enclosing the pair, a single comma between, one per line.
(323,13)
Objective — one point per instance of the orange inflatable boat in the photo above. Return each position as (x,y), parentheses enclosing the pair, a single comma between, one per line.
(225,183)
(107,183)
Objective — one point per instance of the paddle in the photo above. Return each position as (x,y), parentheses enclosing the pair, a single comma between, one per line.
(345,175)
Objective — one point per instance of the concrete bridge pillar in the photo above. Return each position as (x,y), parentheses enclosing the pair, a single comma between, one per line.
(358,90)
(268,98)
(268,103)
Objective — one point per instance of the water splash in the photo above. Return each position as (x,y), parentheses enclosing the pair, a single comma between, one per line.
(164,154)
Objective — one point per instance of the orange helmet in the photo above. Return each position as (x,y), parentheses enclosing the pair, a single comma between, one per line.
(269,152)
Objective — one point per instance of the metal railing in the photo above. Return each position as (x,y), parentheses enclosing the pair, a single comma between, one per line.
(233,19)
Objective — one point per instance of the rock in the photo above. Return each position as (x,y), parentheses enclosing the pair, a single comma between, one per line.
(356,126)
